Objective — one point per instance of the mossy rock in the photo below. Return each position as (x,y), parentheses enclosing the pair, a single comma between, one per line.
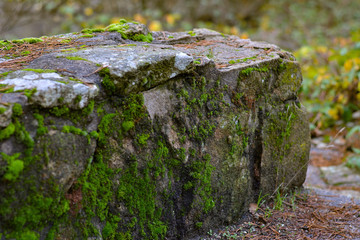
(127,138)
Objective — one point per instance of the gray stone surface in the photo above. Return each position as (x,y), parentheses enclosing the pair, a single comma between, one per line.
(158,140)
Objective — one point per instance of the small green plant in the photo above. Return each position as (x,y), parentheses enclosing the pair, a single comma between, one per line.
(279,200)
(261,200)
(210,54)
(191,33)
(197,61)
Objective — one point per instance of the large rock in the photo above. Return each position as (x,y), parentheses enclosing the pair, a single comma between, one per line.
(124,139)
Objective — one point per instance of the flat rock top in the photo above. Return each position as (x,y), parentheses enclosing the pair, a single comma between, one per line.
(136,60)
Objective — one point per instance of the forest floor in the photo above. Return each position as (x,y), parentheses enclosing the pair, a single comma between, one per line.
(327,207)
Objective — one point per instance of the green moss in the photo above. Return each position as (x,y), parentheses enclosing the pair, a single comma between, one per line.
(107,81)
(6,45)
(104,127)
(75,80)
(39,70)
(17,110)
(74,130)
(97,189)
(27,40)
(89,108)
(137,190)
(37,211)
(29,93)
(22,135)
(142,38)
(142,139)
(198,225)
(7,132)
(66,40)
(191,33)
(6,88)
(4,74)
(41,129)
(242,60)
(69,50)
(2,110)
(87,36)
(59,111)
(122,28)
(127,125)
(247,71)
(76,58)
(14,167)
(201,171)
(92,30)
(25,53)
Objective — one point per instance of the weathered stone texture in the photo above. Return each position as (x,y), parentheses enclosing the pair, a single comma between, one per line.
(138,140)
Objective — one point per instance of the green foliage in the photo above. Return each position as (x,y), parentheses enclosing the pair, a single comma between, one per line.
(331,74)
(313,23)
(353,161)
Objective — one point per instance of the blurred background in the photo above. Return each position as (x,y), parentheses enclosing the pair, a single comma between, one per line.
(324,35)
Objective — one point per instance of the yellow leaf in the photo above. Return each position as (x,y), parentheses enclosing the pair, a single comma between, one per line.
(88,11)
(115,20)
(333,112)
(265,23)
(234,30)
(155,26)
(321,49)
(348,65)
(244,36)
(139,18)
(170,19)
(341,98)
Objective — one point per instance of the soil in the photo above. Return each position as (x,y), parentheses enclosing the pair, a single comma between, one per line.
(327,207)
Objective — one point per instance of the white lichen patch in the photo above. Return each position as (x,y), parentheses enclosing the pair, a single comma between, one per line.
(182,61)
(5,115)
(130,65)
(50,92)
